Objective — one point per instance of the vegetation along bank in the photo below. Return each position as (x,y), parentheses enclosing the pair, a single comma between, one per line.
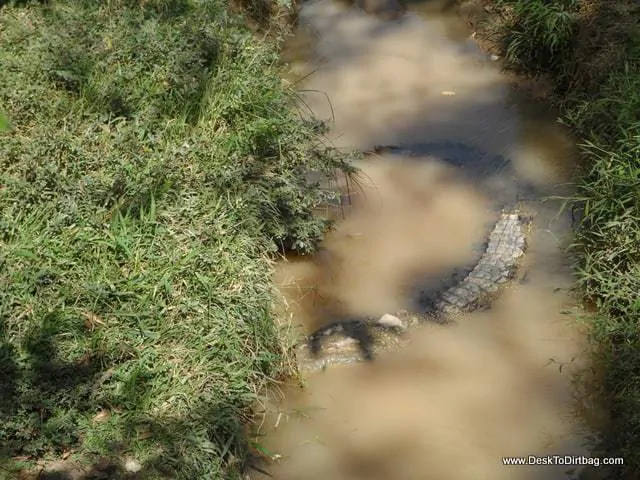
(589,51)
(151,165)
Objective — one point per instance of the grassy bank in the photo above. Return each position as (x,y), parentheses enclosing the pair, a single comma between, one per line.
(152,165)
(590,50)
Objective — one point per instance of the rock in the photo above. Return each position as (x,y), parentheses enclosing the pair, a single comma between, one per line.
(391,321)
(132,465)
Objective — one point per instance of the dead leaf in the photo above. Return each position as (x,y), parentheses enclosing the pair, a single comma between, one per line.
(101,416)
(92,320)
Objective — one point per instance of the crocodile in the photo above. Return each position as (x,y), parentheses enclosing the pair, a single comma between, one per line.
(466,288)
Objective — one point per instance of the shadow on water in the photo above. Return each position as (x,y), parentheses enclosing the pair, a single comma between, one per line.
(403,82)
(439,104)
(500,382)
(451,405)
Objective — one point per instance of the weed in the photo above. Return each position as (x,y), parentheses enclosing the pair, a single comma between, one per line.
(540,33)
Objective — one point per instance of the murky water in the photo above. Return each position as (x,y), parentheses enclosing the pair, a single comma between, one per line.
(455,400)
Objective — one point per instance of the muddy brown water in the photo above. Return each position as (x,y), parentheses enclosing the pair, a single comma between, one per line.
(453,401)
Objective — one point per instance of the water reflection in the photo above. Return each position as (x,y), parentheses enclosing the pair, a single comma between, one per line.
(449,406)
(458,399)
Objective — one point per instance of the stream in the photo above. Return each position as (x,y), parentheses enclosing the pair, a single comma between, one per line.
(446,401)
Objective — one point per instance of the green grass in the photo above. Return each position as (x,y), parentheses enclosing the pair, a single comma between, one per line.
(591,48)
(540,33)
(153,164)
(4,123)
